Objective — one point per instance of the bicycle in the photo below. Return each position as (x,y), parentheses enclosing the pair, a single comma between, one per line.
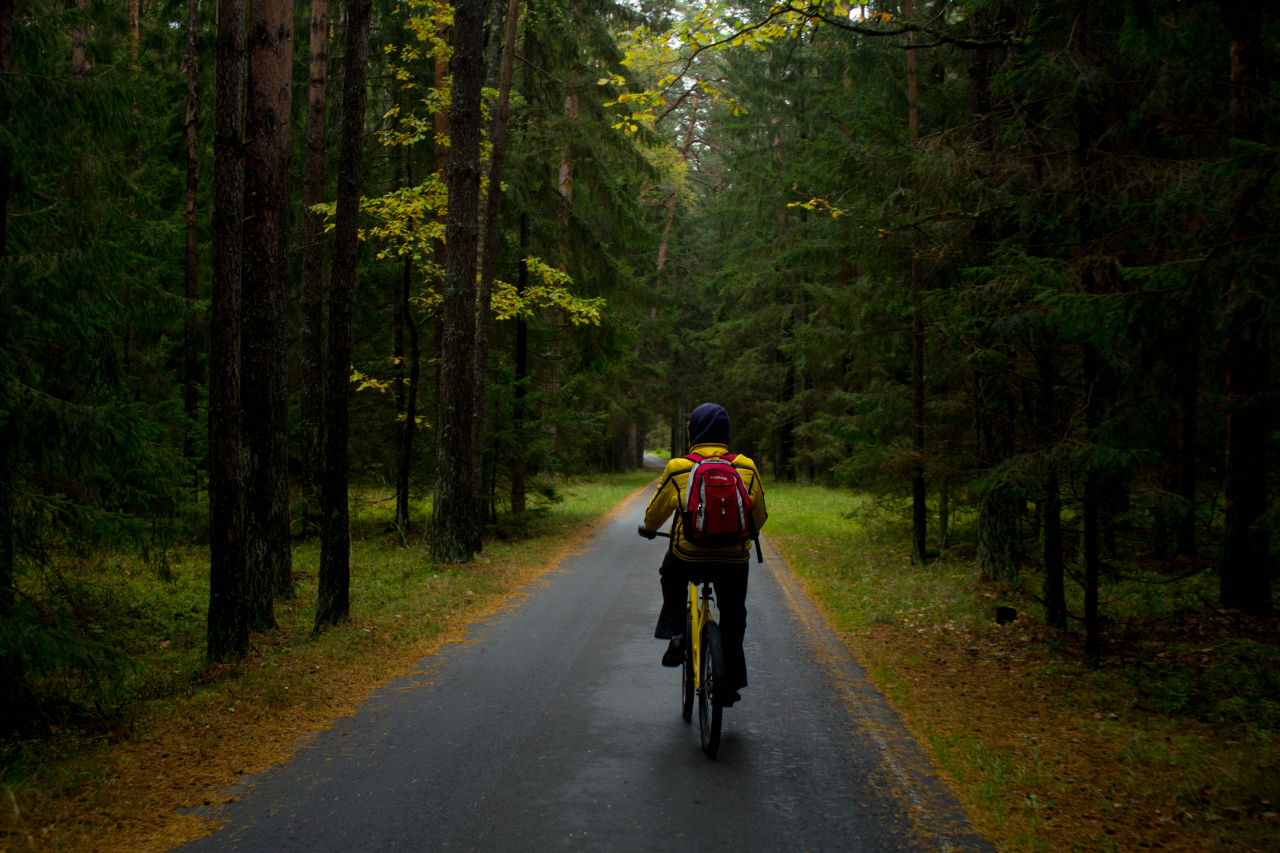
(703,663)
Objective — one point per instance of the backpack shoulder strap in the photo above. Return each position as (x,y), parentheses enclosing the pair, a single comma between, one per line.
(695,458)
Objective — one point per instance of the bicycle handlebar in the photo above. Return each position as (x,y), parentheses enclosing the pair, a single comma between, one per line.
(654,534)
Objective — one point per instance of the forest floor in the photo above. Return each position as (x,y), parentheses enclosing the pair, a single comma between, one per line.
(1174,743)
(188,730)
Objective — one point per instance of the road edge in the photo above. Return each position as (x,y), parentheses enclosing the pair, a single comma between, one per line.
(937,813)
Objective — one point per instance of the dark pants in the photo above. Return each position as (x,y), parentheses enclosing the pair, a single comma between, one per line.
(729,580)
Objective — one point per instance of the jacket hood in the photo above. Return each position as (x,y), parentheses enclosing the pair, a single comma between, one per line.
(708,424)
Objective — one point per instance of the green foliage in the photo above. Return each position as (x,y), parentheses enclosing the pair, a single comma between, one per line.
(1235,684)
(90,328)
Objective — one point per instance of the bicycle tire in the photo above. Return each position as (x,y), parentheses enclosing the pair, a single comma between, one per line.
(709,710)
(686,675)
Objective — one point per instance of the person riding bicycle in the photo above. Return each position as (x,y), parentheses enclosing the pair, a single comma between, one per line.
(726,568)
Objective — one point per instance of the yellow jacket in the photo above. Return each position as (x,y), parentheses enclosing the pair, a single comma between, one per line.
(668,500)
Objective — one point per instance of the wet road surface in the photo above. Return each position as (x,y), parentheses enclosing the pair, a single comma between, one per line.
(555,728)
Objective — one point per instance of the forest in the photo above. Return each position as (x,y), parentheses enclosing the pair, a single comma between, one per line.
(1003,268)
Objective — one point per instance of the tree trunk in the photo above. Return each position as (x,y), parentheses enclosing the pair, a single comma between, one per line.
(409,396)
(671,202)
(228,627)
(262,334)
(440,160)
(80,35)
(333,603)
(411,401)
(997,538)
(494,43)
(489,250)
(454,515)
(1091,496)
(278,544)
(1054,588)
(135,32)
(944,516)
(1189,397)
(1246,580)
(1246,577)
(519,463)
(7,555)
(919,512)
(785,434)
(191,365)
(311,396)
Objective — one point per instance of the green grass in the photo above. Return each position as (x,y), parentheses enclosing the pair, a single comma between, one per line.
(157,626)
(859,565)
(1182,718)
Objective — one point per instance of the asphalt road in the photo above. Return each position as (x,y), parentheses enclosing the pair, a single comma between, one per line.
(556,728)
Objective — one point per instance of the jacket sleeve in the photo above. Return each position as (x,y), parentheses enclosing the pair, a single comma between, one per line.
(664,500)
(758,513)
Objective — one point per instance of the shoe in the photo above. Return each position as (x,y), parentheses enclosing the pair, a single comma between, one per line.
(727,697)
(674,655)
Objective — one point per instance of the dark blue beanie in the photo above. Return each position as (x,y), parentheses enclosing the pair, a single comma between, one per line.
(709,424)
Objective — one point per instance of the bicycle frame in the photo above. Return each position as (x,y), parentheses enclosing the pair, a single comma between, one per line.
(699,615)
(694,683)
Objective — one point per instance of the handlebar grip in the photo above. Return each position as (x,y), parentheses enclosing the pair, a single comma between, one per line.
(651,534)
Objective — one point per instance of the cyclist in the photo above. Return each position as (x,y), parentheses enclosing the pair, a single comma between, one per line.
(707,428)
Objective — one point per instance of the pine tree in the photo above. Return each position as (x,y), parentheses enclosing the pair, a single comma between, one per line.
(334,593)
(228,579)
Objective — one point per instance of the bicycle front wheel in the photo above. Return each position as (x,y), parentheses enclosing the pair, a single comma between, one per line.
(686,676)
(709,710)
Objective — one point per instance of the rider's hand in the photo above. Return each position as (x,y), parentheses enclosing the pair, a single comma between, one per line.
(648,534)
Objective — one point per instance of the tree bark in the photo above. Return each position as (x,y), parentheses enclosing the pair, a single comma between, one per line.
(671,202)
(455,509)
(80,35)
(1246,578)
(489,249)
(919,511)
(311,396)
(262,320)
(1091,496)
(1054,588)
(944,516)
(282,583)
(228,627)
(519,462)
(333,603)
(411,403)
(1189,398)
(407,398)
(135,32)
(7,555)
(190,359)
(997,539)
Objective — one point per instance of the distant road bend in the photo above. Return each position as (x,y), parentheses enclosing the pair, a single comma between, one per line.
(557,729)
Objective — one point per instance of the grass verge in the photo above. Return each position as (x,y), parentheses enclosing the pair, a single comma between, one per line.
(192,730)
(1170,745)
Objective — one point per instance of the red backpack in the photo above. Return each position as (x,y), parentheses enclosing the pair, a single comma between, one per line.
(717,504)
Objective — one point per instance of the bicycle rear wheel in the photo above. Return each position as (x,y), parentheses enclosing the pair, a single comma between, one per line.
(709,710)
(686,676)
